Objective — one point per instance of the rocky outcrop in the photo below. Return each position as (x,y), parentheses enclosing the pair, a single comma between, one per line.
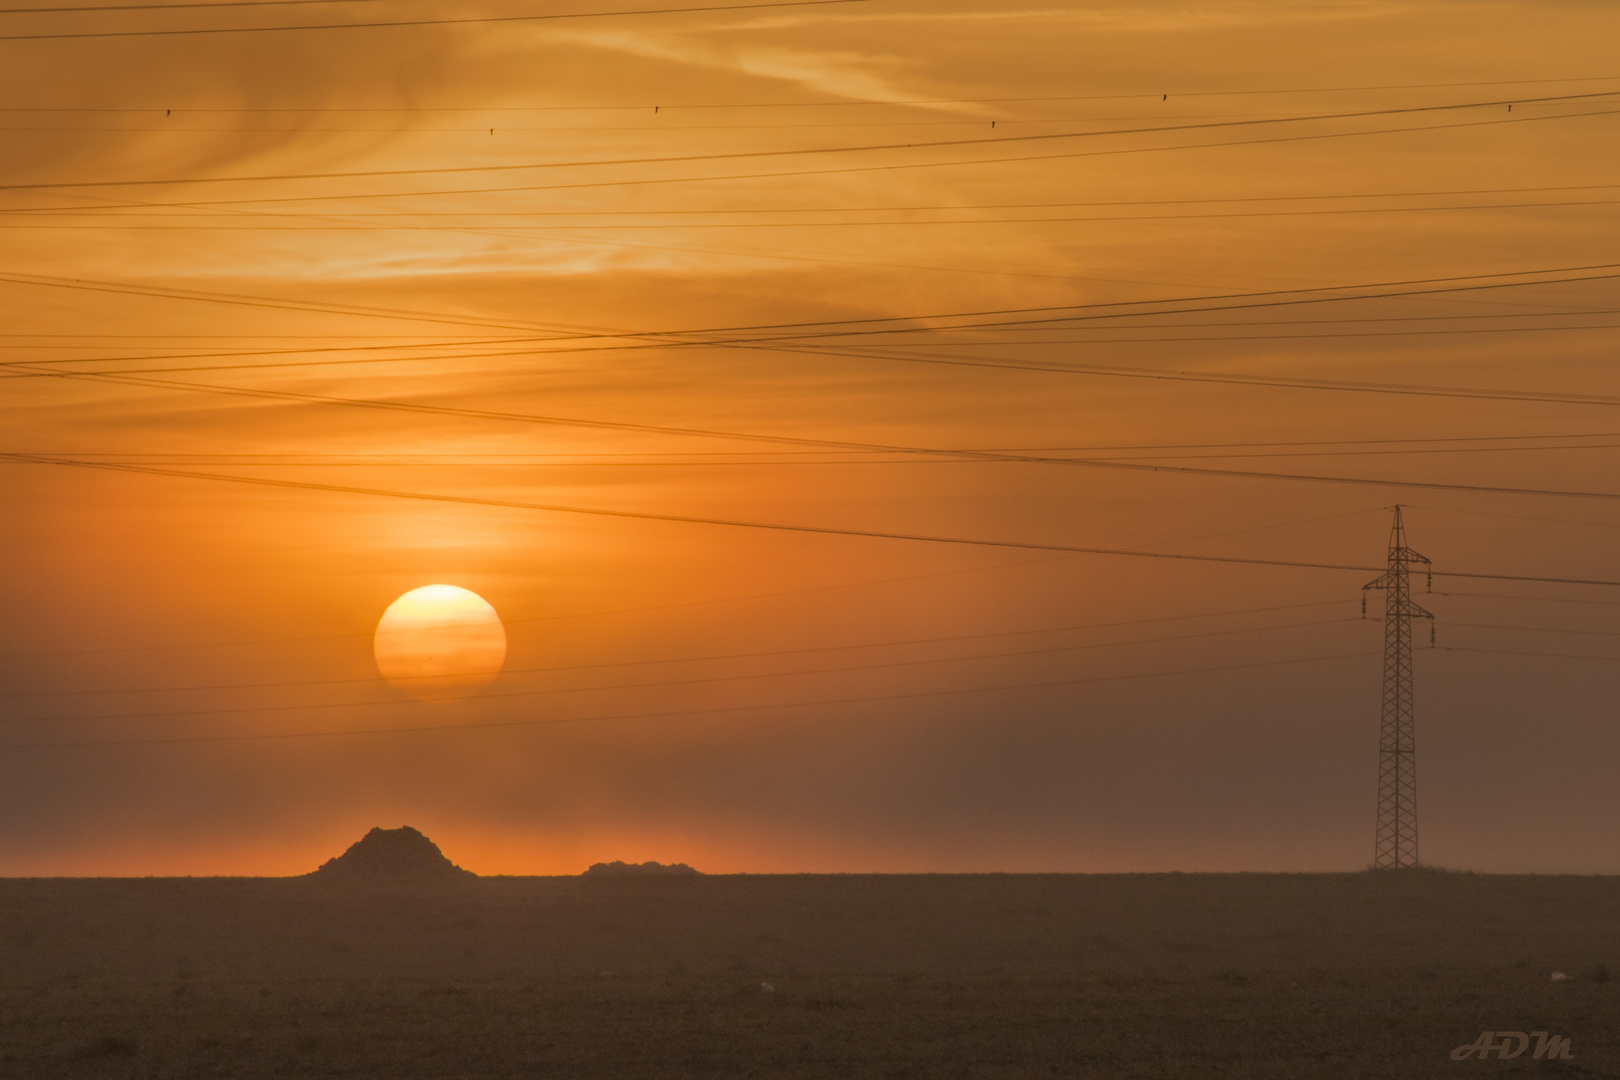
(396,854)
(605,869)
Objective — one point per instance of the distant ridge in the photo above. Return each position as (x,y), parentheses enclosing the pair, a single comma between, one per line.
(606,869)
(397,854)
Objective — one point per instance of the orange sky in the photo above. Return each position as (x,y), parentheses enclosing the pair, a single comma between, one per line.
(406,215)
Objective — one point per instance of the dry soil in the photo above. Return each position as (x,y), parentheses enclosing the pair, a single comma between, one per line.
(1158,975)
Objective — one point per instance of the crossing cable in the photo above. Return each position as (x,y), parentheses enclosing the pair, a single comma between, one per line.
(24,370)
(180,7)
(872,533)
(753,154)
(1093,310)
(418,22)
(1536,629)
(1448,593)
(102,219)
(557,721)
(965,455)
(808,340)
(840,171)
(1154,96)
(766,460)
(1516,652)
(549,691)
(47,367)
(32,369)
(714,658)
(1281,382)
(739,599)
(116,209)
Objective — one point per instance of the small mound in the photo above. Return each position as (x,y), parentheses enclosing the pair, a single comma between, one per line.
(400,854)
(605,869)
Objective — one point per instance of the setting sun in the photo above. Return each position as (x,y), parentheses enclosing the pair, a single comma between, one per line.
(440,642)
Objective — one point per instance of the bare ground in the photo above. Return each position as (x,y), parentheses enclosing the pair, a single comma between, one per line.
(1162,976)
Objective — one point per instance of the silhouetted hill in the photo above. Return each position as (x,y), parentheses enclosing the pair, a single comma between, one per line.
(617,867)
(400,853)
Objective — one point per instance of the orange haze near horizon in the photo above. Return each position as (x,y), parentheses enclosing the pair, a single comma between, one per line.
(695,342)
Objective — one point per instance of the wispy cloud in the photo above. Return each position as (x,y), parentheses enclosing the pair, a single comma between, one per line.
(833,73)
(1121,16)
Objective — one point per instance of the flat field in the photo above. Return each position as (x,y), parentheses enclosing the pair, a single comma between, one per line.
(1154,975)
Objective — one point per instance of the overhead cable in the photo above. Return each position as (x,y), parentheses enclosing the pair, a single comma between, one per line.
(714,710)
(754,154)
(871,533)
(463,21)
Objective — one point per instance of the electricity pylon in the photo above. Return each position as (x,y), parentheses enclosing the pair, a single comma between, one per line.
(1395,842)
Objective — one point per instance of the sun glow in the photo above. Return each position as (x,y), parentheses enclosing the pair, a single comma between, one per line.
(440,643)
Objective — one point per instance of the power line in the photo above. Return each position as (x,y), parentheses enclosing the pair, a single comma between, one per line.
(771,460)
(1521,517)
(45,366)
(481,128)
(116,340)
(681,455)
(1537,629)
(740,599)
(487,414)
(670,211)
(570,615)
(842,170)
(1316,336)
(414,22)
(980,267)
(865,533)
(123,221)
(1227,378)
(548,722)
(774,254)
(841,669)
(241,300)
(1117,447)
(1565,312)
(705,336)
(1516,652)
(875,209)
(1272,299)
(1139,373)
(751,154)
(1104,463)
(1155,96)
(714,657)
(1534,599)
(50,368)
(1409,389)
(36,368)
(814,463)
(1520,448)
(168,7)
(397,680)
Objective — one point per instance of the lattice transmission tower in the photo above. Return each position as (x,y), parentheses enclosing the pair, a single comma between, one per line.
(1395,842)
